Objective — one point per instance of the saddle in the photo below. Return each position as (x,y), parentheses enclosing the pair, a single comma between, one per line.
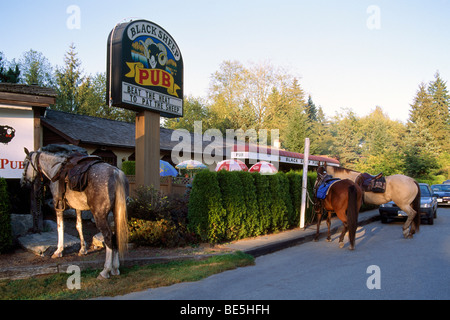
(376,183)
(75,170)
(323,184)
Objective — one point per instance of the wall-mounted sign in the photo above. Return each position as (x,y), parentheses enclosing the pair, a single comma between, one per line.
(16,132)
(144,69)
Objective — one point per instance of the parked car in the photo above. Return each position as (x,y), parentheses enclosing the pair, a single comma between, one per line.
(443,193)
(428,207)
(446,182)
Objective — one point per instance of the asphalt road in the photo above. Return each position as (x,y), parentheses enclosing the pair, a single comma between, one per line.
(383,266)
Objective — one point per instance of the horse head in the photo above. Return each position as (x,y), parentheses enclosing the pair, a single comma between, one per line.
(30,170)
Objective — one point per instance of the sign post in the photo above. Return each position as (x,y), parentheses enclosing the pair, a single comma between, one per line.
(304,184)
(145,74)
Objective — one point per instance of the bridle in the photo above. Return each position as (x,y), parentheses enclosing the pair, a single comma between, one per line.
(36,166)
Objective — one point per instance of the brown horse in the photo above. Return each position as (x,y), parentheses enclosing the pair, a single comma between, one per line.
(344,198)
(401,189)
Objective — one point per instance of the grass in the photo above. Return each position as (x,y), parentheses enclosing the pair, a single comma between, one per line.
(132,279)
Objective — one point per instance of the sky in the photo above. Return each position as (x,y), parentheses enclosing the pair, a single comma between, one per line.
(352,54)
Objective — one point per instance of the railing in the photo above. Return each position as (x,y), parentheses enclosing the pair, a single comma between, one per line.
(168,185)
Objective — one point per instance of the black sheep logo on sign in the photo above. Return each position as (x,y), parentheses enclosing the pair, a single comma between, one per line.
(7,133)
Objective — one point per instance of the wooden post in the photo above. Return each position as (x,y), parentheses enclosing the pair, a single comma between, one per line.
(147,149)
(304,183)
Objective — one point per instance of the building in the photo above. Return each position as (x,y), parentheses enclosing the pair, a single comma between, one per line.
(114,141)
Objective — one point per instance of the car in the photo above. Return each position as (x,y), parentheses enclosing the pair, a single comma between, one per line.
(443,193)
(428,207)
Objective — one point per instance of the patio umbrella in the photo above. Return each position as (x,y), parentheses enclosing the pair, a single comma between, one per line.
(231,165)
(191,165)
(263,167)
(166,169)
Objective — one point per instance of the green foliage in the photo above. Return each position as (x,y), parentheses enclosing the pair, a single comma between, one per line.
(129,167)
(9,72)
(206,214)
(248,204)
(158,220)
(5,218)
(233,202)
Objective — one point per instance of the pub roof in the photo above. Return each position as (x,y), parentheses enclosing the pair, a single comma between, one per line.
(104,132)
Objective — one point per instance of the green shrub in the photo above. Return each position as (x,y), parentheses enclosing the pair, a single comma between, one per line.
(161,233)
(129,167)
(206,215)
(5,218)
(158,220)
(251,220)
(285,194)
(278,208)
(264,203)
(295,193)
(233,202)
(228,206)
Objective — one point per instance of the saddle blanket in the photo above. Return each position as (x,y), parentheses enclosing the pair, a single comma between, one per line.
(323,189)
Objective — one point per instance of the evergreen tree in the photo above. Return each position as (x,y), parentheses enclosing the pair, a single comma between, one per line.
(422,106)
(311,110)
(68,80)
(439,123)
(36,68)
(11,73)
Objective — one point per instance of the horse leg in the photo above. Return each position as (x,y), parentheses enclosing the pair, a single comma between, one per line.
(341,238)
(83,250)
(115,263)
(104,274)
(329,226)
(319,218)
(343,217)
(408,227)
(60,221)
(103,226)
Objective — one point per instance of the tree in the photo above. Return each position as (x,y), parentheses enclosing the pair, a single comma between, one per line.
(9,72)
(92,102)
(194,109)
(381,144)
(439,123)
(347,138)
(36,69)
(68,80)
(420,151)
(422,106)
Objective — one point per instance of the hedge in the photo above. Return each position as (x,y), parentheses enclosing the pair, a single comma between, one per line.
(5,218)
(226,206)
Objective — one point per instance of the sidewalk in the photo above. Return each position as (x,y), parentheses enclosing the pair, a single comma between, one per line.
(254,246)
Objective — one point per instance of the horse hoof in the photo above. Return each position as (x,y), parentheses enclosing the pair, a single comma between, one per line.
(57,255)
(100,277)
(328,240)
(351,248)
(82,253)
(115,273)
(341,245)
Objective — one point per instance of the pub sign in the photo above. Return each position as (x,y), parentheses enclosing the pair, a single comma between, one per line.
(144,69)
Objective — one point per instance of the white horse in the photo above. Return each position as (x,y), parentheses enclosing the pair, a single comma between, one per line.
(106,191)
(401,189)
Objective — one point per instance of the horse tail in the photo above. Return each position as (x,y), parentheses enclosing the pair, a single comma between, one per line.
(416,208)
(352,214)
(120,213)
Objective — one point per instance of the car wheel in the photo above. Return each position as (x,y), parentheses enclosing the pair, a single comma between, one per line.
(430,220)
(384,218)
